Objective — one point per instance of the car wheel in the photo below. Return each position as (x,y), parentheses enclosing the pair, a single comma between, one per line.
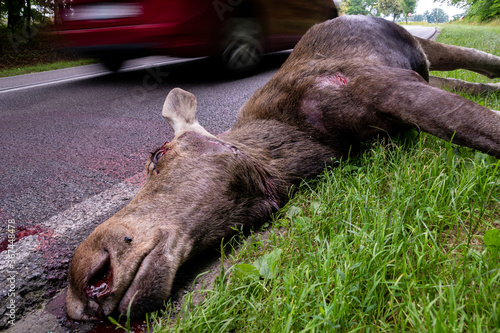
(241,45)
(112,63)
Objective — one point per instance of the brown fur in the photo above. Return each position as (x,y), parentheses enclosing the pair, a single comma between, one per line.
(348,80)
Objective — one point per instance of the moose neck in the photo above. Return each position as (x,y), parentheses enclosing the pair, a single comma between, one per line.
(286,153)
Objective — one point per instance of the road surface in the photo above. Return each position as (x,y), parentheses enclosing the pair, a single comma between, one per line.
(74,144)
(422,32)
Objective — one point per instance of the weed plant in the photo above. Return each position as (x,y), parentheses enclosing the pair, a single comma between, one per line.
(403,238)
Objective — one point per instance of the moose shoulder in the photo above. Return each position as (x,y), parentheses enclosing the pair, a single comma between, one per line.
(347,80)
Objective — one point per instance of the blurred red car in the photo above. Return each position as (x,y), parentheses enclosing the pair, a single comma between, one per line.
(237,31)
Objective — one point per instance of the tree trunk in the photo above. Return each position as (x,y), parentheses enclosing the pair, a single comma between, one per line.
(28,19)
(13,13)
(8,7)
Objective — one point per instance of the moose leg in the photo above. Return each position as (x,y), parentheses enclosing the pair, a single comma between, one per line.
(444,57)
(463,86)
(402,96)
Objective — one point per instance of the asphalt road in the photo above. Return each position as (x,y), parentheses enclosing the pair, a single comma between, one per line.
(422,32)
(73,146)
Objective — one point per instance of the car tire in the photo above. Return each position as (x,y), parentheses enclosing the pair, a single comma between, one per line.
(113,64)
(241,49)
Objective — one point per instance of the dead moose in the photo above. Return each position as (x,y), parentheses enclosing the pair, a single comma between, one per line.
(347,81)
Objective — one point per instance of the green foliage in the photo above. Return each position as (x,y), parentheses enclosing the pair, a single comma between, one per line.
(363,7)
(492,241)
(45,67)
(391,7)
(18,13)
(265,267)
(484,10)
(436,15)
(408,7)
(418,18)
(479,10)
(355,7)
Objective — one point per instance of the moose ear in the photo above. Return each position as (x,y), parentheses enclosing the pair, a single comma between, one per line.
(179,110)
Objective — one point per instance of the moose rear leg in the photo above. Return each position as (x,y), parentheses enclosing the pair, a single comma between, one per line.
(444,57)
(405,98)
(463,86)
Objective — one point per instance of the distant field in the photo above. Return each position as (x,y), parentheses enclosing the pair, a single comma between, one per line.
(402,239)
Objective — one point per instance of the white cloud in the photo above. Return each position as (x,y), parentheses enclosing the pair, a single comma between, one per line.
(423,5)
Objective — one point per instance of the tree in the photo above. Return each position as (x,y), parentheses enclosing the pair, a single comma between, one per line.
(408,7)
(355,7)
(484,10)
(21,14)
(391,7)
(363,7)
(436,15)
(418,18)
(27,19)
(13,10)
(481,10)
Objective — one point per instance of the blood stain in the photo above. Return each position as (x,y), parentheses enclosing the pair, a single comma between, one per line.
(22,232)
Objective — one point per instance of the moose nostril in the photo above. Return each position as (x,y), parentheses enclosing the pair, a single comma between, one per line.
(100,281)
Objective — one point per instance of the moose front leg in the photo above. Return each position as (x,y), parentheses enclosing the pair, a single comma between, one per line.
(405,97)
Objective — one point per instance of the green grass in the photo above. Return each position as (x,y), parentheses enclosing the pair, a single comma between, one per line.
(391,241)
(44,67)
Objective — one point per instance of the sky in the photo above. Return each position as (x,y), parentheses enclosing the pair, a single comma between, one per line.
(423,5)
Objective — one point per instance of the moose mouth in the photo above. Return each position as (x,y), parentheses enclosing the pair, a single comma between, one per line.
(130,293)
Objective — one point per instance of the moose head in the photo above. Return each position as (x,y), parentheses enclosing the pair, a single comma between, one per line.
(198,189)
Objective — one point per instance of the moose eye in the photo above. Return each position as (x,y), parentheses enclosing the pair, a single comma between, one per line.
(156,155)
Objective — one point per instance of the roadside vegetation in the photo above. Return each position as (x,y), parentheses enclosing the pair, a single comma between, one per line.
(403,10)
(405,238)
(41,52)
(27,40)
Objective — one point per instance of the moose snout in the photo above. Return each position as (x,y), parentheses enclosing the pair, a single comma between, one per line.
(99,287)
(92,285)
(108,269)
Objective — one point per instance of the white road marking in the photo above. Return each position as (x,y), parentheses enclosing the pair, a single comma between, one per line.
(75,218)
(140,64)
(82,214)
(50,82)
